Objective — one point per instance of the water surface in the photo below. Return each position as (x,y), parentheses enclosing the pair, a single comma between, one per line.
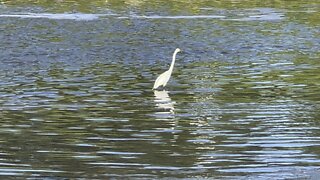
(76,98)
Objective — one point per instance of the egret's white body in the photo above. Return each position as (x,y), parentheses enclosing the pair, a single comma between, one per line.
(163,79)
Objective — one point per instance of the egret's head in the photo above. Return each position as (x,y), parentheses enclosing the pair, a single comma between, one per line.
(177,50)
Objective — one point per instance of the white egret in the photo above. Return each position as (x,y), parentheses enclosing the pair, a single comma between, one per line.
(162,80)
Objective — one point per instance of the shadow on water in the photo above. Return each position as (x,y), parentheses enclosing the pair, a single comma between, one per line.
(76,98)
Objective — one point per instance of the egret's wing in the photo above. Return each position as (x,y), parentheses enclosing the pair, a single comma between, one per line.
(161,80)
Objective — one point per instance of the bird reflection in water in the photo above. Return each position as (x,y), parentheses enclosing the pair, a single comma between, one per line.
(163,101)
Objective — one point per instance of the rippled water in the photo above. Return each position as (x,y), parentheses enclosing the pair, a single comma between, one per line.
(243,101)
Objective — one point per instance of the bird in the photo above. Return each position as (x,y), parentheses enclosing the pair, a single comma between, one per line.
(163,79)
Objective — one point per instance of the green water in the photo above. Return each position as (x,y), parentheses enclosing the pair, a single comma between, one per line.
(76,98)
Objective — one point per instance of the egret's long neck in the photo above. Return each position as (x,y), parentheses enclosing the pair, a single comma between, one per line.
(173,61)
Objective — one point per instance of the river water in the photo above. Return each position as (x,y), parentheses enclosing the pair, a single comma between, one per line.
(242,102)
